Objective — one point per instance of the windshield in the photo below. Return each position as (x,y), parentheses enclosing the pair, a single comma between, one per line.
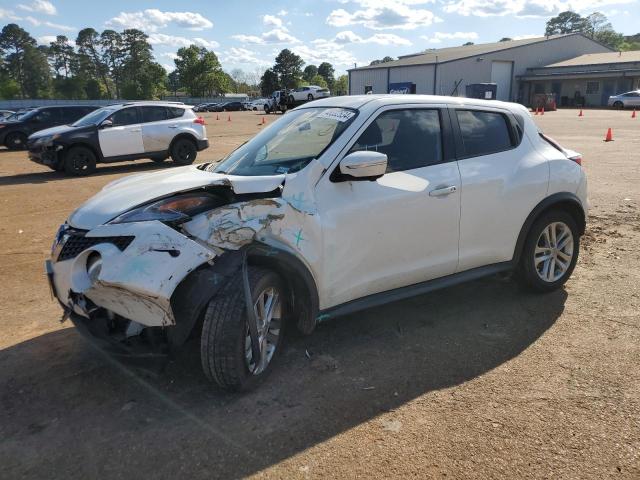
(288,145)
(94,118)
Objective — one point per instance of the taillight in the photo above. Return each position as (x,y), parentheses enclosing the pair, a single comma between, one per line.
(577,159)
(199,121)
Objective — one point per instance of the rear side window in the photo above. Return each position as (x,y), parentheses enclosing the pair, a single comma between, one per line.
(126,116)
(71,114)
(175,112)
(154,114)
(483,132)
(48,115)
(410,138)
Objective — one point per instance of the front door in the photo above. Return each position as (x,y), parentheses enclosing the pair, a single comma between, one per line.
(124,137)
(402,228)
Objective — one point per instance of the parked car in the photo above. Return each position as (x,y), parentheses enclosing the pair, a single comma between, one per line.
(14,133)
(258,104)
(228,107)
(4,114)
(119,133)
(308,93)
(342,204)
(201,107)
(625,100)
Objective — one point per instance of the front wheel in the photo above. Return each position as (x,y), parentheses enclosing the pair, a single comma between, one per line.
(16,141)
(619,105)
(183,151)
(309,97)
(79,161)
(225,345)
(550,252)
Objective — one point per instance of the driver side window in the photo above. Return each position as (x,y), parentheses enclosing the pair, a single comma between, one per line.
(126,116)
(410,138)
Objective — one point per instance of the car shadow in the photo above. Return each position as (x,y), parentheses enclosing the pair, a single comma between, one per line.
(87,414)
(102,169)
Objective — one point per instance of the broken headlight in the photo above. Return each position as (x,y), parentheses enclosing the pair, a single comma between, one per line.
(174,210)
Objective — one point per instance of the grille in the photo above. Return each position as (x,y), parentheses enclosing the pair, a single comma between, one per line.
(78,243)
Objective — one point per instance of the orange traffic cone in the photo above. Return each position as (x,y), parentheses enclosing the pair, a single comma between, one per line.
(542,111)
(263,121)
(217,117)
(229,118)
(633,115)
(609,136)
(580,114)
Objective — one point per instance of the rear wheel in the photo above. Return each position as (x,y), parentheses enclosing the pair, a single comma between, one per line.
(226,347)
(550,252)
(183,151)
(16,141)
(309,97)
(79,161)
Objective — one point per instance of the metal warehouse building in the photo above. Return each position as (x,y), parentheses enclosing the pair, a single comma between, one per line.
(587,80)
(447,71)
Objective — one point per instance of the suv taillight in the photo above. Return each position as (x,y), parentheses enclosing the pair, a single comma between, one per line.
(199,121)
(577,159)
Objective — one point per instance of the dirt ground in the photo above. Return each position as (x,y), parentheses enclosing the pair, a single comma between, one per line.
(476,381)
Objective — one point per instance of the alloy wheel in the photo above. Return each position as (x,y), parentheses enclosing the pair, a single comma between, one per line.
(268,313)
(553,252)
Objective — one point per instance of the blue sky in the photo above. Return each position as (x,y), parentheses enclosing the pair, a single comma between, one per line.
(248,34)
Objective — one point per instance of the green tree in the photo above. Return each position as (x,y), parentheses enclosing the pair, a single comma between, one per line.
(383,60)
(14,43)
(88,42)
(113,57)
(505,39)
(62,56)
(141,76)
(326,71)
(37,75)
(309,72)
(269,82)
(288,67)
(173,82)
(200,72)
(319,81)
(600,29)
(566,22)
(342,85)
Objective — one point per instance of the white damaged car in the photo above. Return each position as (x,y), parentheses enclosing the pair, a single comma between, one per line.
(340,205)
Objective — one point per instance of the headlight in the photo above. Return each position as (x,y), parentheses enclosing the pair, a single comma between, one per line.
(175,210)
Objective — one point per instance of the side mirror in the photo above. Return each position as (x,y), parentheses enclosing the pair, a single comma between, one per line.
(363,165)
(106,124)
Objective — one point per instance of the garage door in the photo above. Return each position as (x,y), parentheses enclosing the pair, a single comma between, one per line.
(501,76)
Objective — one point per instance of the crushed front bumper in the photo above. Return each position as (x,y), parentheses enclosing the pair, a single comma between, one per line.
(45,155)
(136,279)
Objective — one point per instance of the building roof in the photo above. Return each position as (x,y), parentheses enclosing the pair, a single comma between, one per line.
(599,59)
(442,55)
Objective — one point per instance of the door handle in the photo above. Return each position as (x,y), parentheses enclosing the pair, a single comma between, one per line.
(442,191)
(173,126)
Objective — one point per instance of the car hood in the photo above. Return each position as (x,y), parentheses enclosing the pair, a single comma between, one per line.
(126,193)
(51,131)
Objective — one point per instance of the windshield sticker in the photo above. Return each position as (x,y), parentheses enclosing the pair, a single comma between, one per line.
(282,169)
(337,114)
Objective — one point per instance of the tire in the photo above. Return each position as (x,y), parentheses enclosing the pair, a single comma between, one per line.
(184,151)
(79,162)
(225,345)
(548,275)
(310,97)
(16,141)
(618,104)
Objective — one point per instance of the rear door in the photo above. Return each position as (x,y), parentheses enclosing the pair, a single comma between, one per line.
(157,129)
(503,179)
(124,137)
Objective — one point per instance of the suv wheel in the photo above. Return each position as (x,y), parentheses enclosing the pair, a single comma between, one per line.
(618,104)
(309,97)
(183,151)
(16,141)
(550,252)
(225,345)
(79,161)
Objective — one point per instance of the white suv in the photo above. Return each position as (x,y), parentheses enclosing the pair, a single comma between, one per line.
(117,133)
(341,205)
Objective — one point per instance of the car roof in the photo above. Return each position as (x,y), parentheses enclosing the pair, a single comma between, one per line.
(147,104)
(358,101)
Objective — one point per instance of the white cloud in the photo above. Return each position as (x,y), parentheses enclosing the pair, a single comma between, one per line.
(282,13)
(272,20)
(438,37)
(325,51)
(8,15)
(241,55)
(38,23)
(524,8)
(275,36)
(382,15)
(177,41)
(46,39)
(39,6)
(152,19)
(379,38)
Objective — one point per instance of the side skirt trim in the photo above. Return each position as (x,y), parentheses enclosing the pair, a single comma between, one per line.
(396,294)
